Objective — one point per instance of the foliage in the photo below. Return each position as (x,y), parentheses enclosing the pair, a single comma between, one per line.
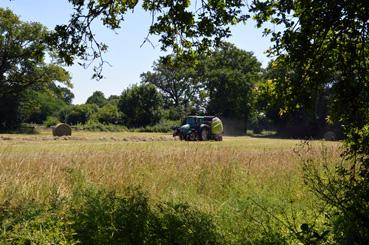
(177,81)
(23,68)
(77,113)
(293,114)
(97,216)
(140,105)
(51,121)
(107,217)
(326,43)
(174,114)
(94,126)
(219,82)
(164,126)
(63,93)
(229,75)
(182,224)
(41,105)
(108,114)
(31,223)
(179,26)
(97,98)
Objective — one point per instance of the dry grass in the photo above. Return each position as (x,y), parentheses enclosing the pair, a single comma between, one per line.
(217,177)
(167,168)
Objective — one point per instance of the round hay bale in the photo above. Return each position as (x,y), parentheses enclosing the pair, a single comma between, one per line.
(62,129)
(330,135)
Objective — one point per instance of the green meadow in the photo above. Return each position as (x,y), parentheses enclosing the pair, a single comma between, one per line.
(251,190)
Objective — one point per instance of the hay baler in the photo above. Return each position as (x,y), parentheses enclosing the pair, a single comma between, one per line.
(200,128)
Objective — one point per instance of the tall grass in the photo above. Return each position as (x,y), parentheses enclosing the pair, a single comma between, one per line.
(252,188)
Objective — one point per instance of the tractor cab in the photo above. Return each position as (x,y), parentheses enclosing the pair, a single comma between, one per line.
(193,121)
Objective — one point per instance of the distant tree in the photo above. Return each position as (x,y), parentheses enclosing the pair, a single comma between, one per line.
(23,48)
(140,105)
(229,74)
(97,98)
(63,93)
(108,114)
(45,103)
(42,105)
(113,98)
(76,114)
(176,80)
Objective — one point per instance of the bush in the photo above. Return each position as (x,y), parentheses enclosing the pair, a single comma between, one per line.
(32,223)
(105,217)
(343,192)
(77,113)
(108,114)
(98,216)
(51,121)
(182,224)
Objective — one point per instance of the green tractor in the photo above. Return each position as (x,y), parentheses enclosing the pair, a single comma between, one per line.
(200,128)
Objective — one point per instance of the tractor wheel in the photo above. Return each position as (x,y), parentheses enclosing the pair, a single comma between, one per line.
(218,138)
(204,134)
(193,136)
(187,137)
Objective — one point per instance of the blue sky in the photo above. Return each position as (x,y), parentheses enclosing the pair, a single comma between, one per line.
(127,58)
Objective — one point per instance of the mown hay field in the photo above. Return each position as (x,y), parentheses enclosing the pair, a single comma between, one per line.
(246,184)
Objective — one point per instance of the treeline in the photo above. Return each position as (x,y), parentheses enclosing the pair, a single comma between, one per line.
(225,81)
(175,88)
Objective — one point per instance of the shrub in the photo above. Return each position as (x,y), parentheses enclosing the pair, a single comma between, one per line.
(32,223)
(108,114)
(51,121)
(77,113)
(103,217)
(98,216)
(182,224)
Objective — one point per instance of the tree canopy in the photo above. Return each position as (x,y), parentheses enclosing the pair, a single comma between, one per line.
(229,75)
(23,48)
(97,98)
(140,105)
(176,80)
(181,25)
(326,44)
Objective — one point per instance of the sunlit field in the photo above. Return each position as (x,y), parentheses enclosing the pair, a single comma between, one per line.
(244,183)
